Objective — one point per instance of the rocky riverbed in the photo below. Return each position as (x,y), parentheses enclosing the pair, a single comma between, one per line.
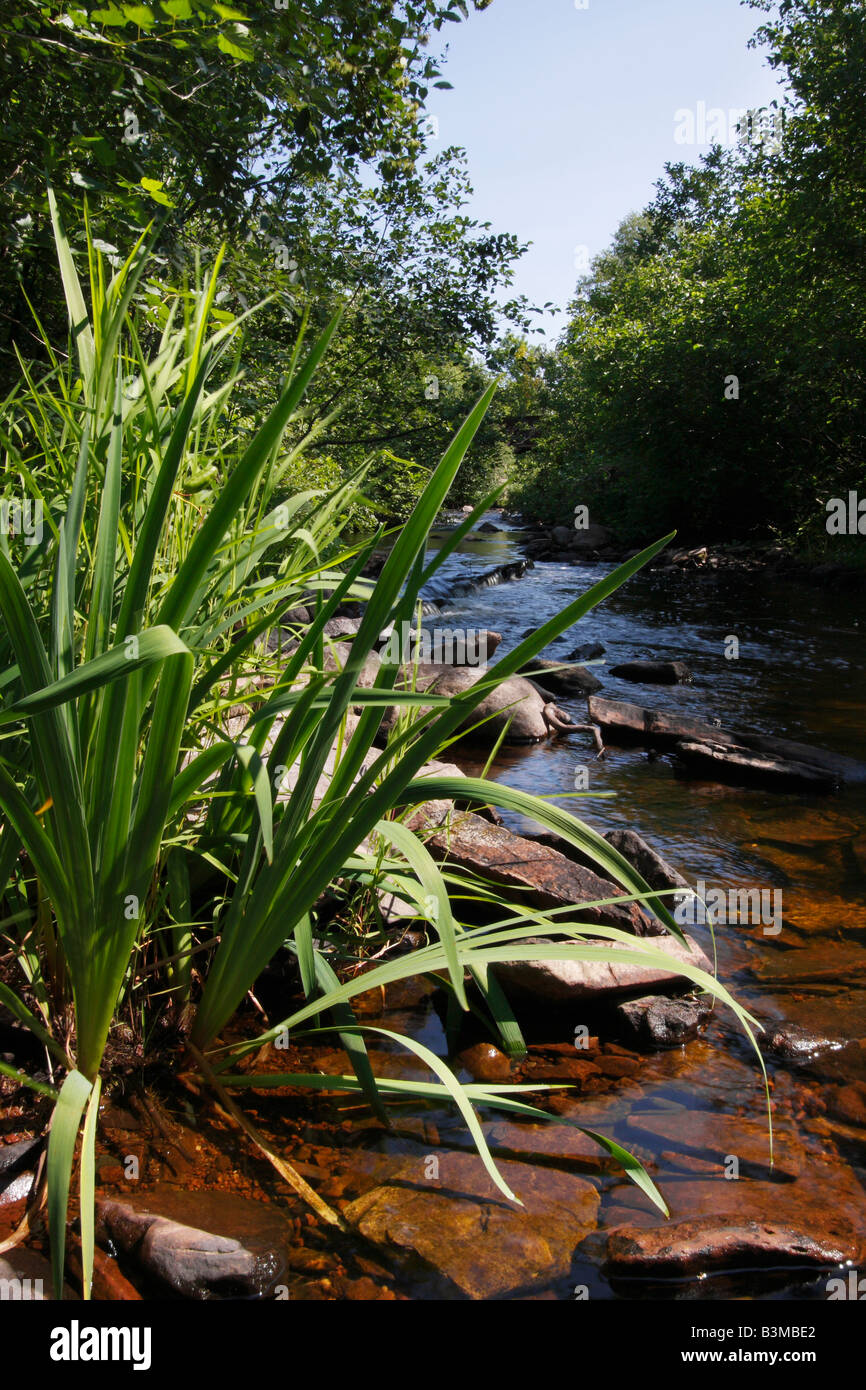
(635,1056)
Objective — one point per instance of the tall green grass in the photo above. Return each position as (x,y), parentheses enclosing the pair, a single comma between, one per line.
(147,858)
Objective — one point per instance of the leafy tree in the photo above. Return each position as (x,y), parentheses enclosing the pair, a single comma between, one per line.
(199,109)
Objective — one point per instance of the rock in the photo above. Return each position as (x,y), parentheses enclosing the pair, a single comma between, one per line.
(19,1157)
(499,574)
(634,723)
(742,765)
(440,646)
(588,651)
(573,981)
(562,679)
(562,536)
(193,1263)
(299,616)
(848,1103)
(712,1134)
(532,873)
(485,1062)
(337,654)
(462,1227)
(342,627)
(658,1022)
(655,870)
(794,1043)
(514,706)
(592,537)
(713,1242)
(653,672)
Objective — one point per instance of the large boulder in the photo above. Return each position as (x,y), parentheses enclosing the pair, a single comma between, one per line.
(515,706)
(592,537)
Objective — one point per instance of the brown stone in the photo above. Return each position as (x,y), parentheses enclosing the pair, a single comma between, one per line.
(464,1228)
(711,1133)
(711,1242)
(537,875)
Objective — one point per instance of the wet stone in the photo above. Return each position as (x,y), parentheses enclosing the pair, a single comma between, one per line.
(464,1229)
(485,1062)
(848,1103)
(710,1243)
(573,980)
(794,1043)
(191,1262)
(711,1134)
(659,1022)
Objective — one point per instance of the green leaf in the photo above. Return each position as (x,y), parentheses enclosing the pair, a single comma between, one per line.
(73,1097)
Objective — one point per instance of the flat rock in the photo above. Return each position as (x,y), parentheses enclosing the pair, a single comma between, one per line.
(462,1227)
(25,1277)
(572,981)
(713,1243)
(534,873)
(713,1134)
(752,767)
(635,723)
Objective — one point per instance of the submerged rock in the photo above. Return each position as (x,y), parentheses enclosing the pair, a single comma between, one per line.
(485,1062)
(712,1134)
(462,1227)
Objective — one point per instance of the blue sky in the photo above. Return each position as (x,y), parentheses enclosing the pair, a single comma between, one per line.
(568,115)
